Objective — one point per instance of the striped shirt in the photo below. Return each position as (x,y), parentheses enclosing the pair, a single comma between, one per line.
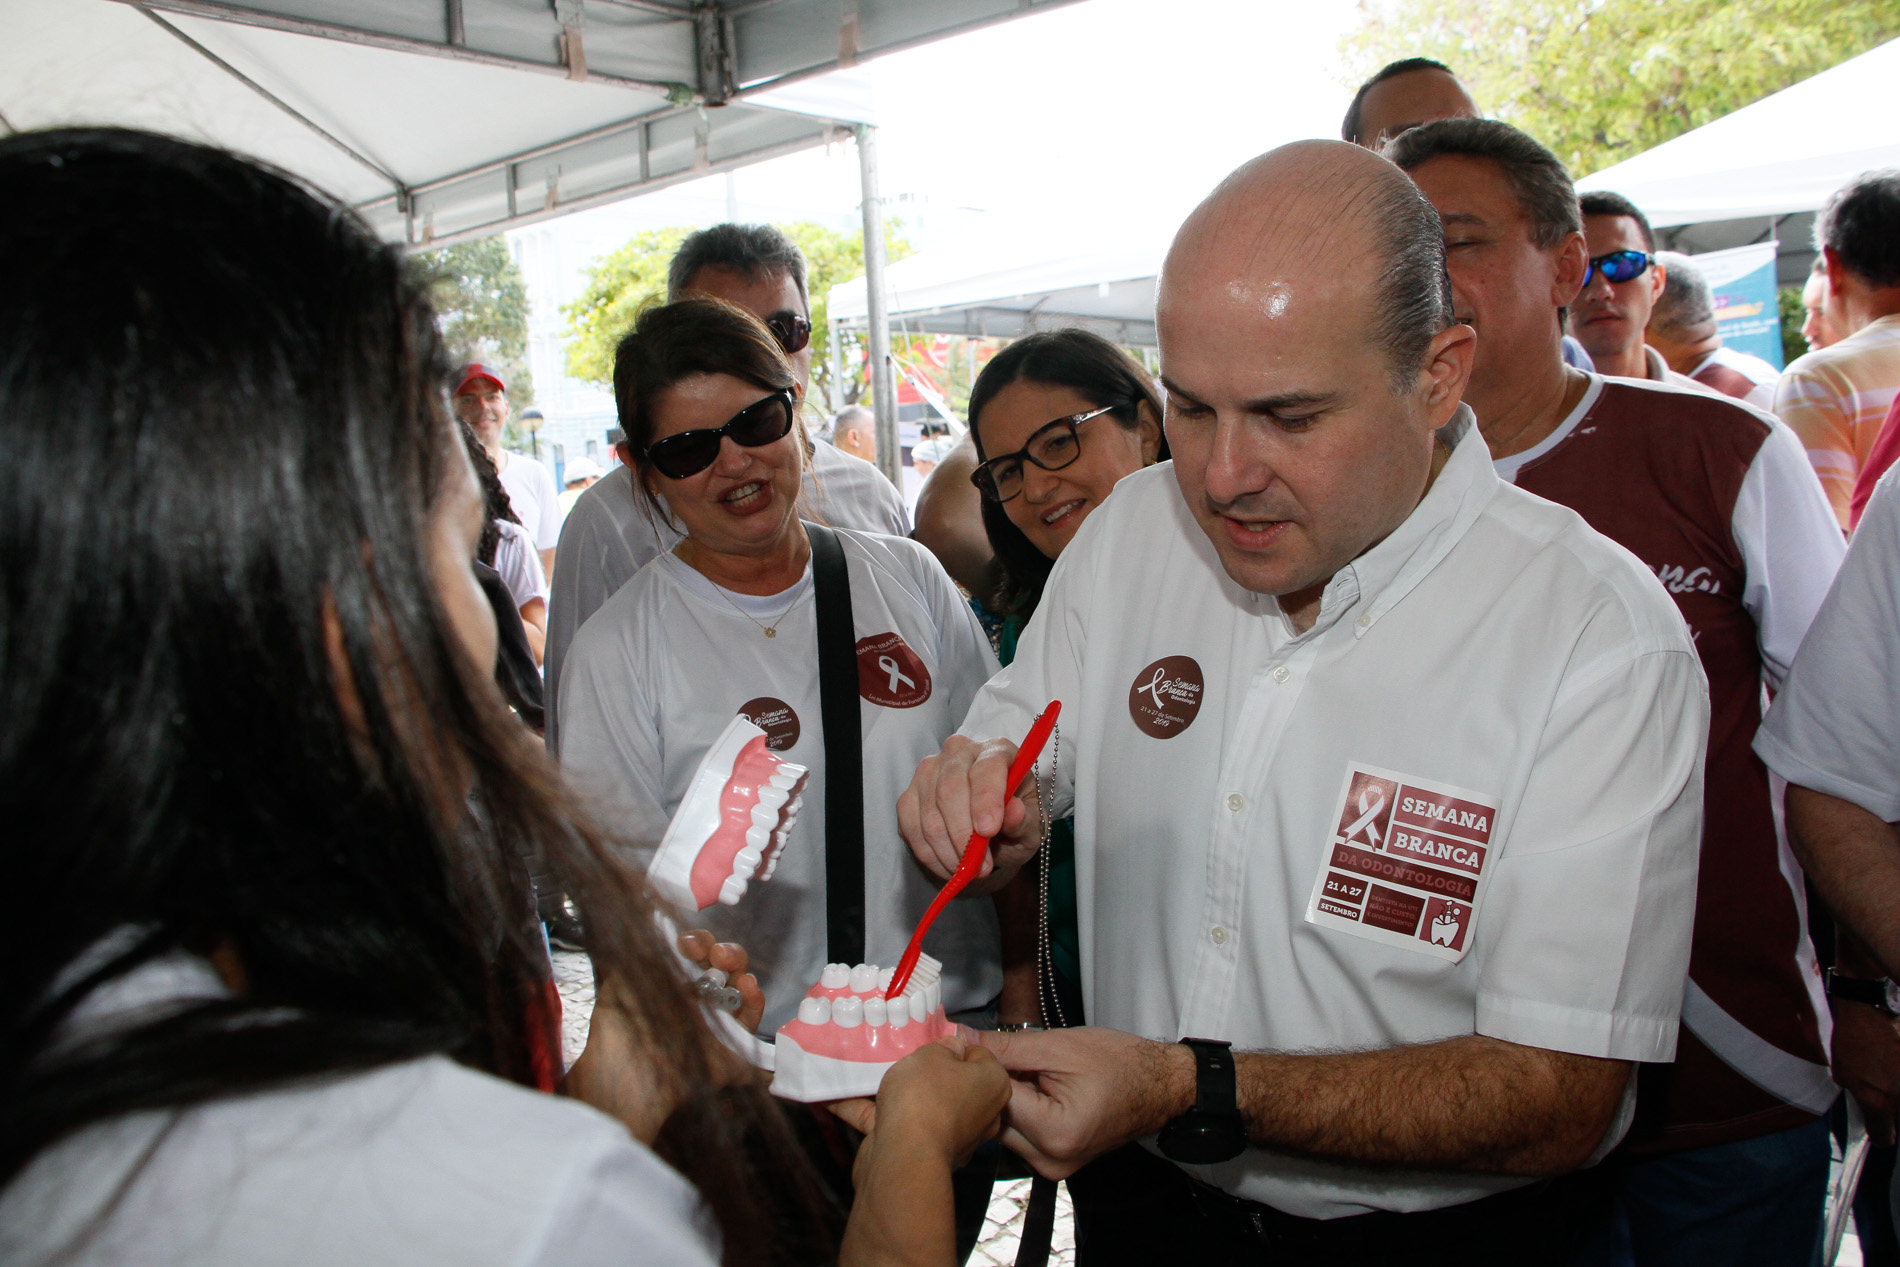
(1835,399)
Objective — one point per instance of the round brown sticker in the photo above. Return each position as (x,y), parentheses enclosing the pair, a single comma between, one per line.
(776,718)
(889,672)
(1166,696)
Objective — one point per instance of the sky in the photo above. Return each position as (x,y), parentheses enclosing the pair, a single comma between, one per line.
(1086,118)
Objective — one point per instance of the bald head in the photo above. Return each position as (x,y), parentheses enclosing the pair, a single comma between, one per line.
(1309,362)
(1319,223)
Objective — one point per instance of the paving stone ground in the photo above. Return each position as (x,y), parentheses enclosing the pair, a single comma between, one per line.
(1002,1225)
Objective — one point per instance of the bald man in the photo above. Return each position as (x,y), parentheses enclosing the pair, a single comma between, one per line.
(1403,95)
(1386,780)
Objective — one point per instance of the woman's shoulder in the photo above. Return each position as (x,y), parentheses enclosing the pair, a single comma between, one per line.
(422,1162)
(899,558)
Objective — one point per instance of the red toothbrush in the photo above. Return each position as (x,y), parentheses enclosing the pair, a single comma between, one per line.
(973,852)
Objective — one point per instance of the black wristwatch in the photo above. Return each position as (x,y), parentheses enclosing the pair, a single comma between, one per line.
(1879,993)
(1211,1131)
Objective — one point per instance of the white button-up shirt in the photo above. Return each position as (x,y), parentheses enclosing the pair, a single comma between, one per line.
(1467,800)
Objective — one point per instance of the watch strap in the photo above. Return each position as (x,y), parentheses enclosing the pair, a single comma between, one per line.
(1216,1088)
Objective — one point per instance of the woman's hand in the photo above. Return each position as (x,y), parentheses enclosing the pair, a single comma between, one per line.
(613,1074)
(932,1110)
(730,958)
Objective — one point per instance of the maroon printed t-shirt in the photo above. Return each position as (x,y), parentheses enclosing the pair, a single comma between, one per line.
(1659,471)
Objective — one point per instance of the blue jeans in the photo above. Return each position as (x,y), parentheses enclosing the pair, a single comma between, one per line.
(1755,1202)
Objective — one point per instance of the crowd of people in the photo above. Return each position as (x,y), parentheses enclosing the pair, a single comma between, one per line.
(1419,870)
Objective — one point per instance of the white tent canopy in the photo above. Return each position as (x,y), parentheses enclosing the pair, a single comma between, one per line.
(1003,288)
(1785,153)
(446,119)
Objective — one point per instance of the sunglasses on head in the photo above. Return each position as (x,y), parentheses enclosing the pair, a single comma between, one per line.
(690,452)
(1618,266)
(793,332)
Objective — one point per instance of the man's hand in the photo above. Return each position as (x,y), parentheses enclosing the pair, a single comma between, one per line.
(1083,1092)
(730,958)
(960,791)
(1867,1063)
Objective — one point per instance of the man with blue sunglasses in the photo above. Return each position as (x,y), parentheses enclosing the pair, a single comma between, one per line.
(1622,281)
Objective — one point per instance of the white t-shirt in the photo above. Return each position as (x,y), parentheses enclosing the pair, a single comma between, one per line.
(411,1165)
(612,532)
(1757,371)
(519,564)
(655,676)
(1467,800)
(532,495)
(1833,726)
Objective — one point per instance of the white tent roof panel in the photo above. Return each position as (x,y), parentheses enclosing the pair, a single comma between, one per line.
(1823,132)
(443,119)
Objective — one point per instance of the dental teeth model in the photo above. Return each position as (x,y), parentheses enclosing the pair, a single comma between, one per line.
(846,1035)
(732,823)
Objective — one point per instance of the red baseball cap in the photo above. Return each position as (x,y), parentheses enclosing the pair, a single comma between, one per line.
(474,370)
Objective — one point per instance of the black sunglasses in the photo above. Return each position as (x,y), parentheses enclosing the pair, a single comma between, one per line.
(690,452)
(792,332)
(1053,446)
(1618,266)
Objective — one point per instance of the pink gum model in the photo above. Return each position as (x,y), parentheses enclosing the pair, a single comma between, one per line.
(846,1035)
(732,823)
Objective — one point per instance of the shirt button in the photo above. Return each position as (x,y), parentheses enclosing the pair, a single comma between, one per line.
(1365,620)
(1282,673)
(1218,934)
(1236,802)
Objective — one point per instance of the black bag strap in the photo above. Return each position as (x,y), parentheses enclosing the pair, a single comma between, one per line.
(843,723)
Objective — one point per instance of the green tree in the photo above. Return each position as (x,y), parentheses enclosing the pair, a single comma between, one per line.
(1793,317)
(622,282)
(1601,80)
(481,305)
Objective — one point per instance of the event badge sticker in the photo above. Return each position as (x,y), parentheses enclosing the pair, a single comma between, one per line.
(776,718)
(1165,697)
(1406,863)
(889,672)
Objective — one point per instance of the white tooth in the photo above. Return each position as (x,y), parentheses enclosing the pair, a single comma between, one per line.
(876,1011)
(732,890)
(899,1012)
(864,978)
(748,858)
(933,996)
(848,1011)
(836,976)
(814,1011)
(918,1010)
(884,979)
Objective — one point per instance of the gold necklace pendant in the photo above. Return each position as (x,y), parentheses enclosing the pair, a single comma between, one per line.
(771,632)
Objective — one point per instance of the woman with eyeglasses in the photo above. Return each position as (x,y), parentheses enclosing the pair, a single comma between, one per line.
(273,987)
(727,622)
(1058,418)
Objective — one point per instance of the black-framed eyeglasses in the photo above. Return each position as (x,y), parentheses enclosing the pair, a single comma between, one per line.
(793,332)
(1618,266)
(690,452)
(1053,446)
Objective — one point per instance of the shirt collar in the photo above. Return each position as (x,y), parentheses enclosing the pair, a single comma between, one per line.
(1377,580)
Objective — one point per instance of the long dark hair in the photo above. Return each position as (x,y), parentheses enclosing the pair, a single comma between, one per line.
(1104,375)
(224,429)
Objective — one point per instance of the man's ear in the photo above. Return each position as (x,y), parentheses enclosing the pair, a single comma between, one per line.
(1836,273)
(1573,260)
(1447,370)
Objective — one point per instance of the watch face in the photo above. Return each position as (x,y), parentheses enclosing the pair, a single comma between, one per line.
(1893,996)
(1201,1139)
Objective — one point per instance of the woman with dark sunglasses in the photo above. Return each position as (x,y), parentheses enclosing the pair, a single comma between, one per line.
(726,622)
(1058,418)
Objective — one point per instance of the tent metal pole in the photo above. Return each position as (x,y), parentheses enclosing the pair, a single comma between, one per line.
(835,342)
(883,381)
